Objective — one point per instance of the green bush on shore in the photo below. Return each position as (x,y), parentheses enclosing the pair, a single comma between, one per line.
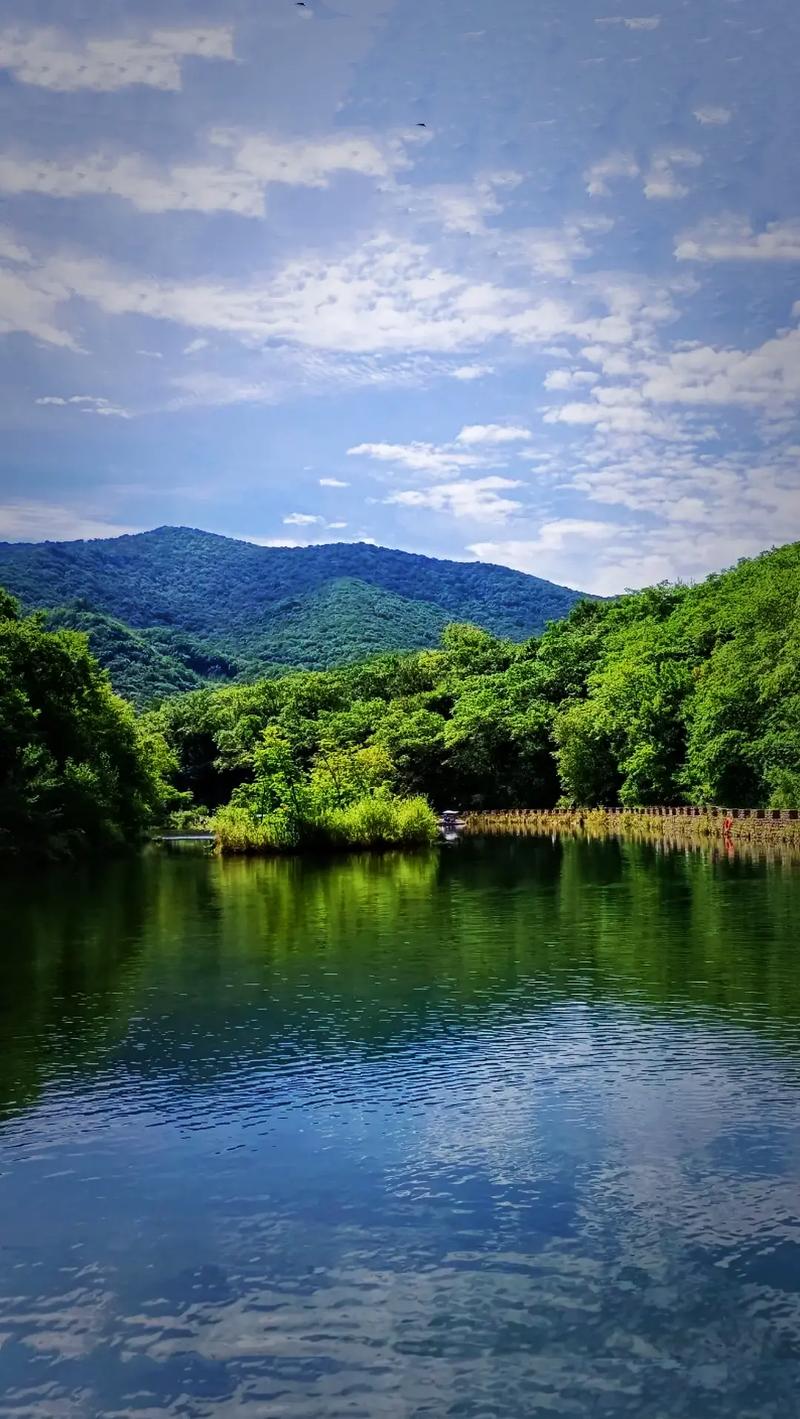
(374,821)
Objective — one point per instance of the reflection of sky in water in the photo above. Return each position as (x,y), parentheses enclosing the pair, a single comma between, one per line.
(582,1205)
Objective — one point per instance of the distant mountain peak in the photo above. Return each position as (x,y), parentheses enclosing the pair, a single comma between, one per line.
(249,608)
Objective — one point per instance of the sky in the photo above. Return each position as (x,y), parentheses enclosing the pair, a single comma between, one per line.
(510,281)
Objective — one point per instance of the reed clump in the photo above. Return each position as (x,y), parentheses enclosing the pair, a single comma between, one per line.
(374,822)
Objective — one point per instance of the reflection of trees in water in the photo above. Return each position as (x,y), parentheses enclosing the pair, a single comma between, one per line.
(72,937)
(219,961)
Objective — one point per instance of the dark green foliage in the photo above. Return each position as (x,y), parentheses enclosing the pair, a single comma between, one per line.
(199,607)
(342,797)
(76,771)
(670,695)
(144,665)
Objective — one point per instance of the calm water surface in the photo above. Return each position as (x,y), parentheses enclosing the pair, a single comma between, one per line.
(506,1129)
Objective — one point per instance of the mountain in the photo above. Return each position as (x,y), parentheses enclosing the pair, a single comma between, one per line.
(147,664)
(172,608)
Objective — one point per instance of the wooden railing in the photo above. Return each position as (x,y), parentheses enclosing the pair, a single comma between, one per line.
(777,815)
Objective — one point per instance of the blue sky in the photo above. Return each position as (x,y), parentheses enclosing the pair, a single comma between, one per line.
(242,288)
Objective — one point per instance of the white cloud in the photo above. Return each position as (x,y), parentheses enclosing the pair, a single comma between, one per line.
(615,165)
(552,536)
(436,460)
(661,182)
(312,162)
(28,521)
(557,380)
(477,446)
(56,59)
(87,404)
(458,207)
(235,181)
(690,508)
(303,519)
(731,238)
(483,434)
(476,499)
(378,299)
(12,250)
(611,362)
(28,305)
(614,410)
(548,251)
(713,116)
(563,549)
(146,185)
(607,557)
(195,346)
(207,387)
(466,373)
(767,377)
(333,483)
(151,354)
(380,296)
(284,370)
(336,526)
(631,22)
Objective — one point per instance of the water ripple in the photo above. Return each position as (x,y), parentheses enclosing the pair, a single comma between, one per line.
(507,1132)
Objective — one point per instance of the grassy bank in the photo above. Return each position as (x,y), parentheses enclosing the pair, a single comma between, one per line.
(702,828)
(374,822)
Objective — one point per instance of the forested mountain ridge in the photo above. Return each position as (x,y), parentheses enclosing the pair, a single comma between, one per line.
(674,694)
(198,606)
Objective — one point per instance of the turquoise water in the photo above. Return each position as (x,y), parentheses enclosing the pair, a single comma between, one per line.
(503,1129)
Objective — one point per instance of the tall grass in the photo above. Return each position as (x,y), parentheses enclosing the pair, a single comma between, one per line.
(378,821)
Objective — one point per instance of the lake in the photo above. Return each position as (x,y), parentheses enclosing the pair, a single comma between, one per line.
(506,1128)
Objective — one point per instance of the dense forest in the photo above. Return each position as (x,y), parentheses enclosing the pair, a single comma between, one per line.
(670,695)
(674,694)
(172,609)
(76,771)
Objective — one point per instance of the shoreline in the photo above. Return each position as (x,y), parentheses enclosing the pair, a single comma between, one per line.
(752,832)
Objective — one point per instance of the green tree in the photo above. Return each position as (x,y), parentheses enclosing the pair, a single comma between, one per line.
(76,773)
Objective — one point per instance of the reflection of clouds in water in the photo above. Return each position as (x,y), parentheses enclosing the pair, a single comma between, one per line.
(503,1329)
(447,1178)
(669,1166)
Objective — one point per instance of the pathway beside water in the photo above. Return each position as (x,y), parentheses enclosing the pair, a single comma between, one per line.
(502,1128)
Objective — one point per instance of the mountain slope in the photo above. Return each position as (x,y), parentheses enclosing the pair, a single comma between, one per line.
(346,620)
(144,665)
(248,609)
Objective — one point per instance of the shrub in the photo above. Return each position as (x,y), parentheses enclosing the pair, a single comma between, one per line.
(377,821)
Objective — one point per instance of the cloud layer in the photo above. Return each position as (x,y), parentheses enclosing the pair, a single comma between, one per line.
(53,59)
(527,292)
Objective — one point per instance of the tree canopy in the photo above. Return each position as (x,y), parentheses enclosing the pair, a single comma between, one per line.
(76,770)
(674,694)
